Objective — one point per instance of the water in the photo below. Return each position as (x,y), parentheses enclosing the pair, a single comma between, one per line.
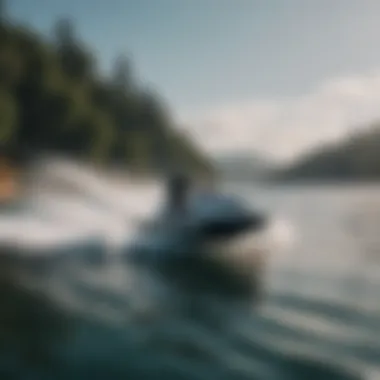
(319,319)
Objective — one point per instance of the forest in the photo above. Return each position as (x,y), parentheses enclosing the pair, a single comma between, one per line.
(356,158)
(54,99)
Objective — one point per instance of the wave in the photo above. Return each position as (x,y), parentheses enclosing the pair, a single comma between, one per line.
(127,322)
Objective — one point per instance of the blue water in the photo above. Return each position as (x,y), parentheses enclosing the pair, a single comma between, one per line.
(318,319)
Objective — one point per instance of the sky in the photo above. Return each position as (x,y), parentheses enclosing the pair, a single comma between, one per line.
(269,76)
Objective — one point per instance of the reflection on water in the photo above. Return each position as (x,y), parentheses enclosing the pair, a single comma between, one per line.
(320,318)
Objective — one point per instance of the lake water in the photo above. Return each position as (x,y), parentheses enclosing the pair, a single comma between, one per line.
(319,318)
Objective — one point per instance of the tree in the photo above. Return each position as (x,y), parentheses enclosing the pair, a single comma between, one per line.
(122,76)
(8,118)
(52,98)
(75,61)
(3,12)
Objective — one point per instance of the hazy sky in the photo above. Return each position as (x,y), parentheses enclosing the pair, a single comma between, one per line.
(272,75)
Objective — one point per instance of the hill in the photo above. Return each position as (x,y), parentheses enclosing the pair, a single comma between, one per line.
(357,158)
(53,99)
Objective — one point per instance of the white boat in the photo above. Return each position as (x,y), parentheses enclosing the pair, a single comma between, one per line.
(204,241)
(208,220)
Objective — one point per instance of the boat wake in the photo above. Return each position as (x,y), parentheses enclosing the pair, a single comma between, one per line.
(123,320)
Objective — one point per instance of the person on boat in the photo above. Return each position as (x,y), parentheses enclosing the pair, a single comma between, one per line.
(178,194)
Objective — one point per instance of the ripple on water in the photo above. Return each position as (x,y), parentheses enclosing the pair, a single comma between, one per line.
(123,323)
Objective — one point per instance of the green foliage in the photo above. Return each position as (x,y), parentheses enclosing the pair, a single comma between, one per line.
(52,98)
(8,117)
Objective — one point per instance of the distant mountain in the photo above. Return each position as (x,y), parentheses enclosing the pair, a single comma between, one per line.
(356,158)
(244,166)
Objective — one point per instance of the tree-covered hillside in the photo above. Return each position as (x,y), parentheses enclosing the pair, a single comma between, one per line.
(355,158)
(53,98)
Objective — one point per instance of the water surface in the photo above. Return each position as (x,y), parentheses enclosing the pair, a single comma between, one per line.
(319,319)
